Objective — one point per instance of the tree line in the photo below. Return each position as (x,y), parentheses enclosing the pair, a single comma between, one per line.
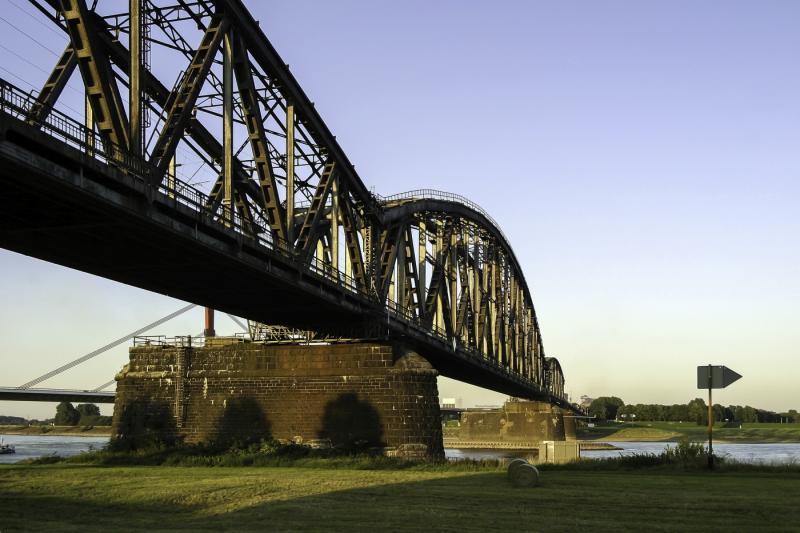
(613,408)
(84,414)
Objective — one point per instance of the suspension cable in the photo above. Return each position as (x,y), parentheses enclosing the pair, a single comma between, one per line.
(105,348)
(238,323)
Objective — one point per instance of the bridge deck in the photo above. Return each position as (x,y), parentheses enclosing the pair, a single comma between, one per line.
(68,208)
(55,395)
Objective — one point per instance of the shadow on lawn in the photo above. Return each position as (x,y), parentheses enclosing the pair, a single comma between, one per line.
(566,501)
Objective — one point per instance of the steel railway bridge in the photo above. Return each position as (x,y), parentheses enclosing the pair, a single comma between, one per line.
(287,232)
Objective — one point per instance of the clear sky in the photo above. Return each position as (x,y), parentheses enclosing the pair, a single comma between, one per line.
(642,157)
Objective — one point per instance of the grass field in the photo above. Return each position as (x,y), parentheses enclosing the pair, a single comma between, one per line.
(91,498)
(661,431)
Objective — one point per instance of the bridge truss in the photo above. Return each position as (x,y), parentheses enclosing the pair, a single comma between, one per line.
(431,262)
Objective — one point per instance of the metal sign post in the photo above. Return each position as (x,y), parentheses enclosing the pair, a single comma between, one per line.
(713,377)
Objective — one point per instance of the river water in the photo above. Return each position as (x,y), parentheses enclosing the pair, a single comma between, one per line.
(778,453)
(31,446)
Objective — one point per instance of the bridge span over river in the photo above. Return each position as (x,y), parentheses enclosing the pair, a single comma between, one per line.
(287,234)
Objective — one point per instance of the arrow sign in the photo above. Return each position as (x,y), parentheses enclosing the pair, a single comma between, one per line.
(721,376)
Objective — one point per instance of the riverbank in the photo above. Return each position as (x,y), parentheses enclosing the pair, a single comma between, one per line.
(675,431)
(316,499)
(58,431)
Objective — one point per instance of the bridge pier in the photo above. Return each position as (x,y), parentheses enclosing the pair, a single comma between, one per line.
(517,423)
(349,394)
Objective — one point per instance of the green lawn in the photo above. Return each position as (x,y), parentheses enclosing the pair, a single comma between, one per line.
(93,498)
(675,431)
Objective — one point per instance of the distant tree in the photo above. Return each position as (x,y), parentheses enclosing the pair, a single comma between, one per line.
(605,407)
(88,409)
(749,414)
(12,421)
(66,415)
(698,411)
(678,412)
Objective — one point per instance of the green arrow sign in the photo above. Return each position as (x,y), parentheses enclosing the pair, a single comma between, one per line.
(721,376)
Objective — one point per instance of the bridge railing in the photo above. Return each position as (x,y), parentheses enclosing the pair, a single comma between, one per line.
(21,105)
(435,194)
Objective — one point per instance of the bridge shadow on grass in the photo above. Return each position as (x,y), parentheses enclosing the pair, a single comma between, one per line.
(243,422)
(350,422)
(275,499)
(144,424)
(306,499)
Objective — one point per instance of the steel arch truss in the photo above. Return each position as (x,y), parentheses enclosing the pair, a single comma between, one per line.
(452,271)
(233,126)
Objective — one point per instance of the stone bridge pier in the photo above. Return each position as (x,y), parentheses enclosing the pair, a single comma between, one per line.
(362,394)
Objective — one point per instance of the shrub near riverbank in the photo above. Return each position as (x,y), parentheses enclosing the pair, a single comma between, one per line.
(685,456)
(673,431)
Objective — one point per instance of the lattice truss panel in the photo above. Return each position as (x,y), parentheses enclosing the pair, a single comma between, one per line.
(194,91)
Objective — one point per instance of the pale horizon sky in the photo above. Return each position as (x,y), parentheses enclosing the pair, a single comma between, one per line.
(642,158)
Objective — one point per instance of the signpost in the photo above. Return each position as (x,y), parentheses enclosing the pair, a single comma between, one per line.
(713,377)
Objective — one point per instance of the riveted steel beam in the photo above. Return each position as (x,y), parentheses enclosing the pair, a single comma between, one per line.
(354,258)
(101,87)
(54,86)
(180,104)
(310,229)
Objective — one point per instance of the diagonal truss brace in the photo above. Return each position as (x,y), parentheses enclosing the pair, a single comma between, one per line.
(242,69)
(54,86)
(181,102)
(101,87)
(309,231)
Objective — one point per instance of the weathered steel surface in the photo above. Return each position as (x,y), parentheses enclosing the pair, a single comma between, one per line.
(264,241)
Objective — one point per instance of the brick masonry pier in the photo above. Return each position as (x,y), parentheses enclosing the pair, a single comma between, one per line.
(226,392)
(518,424)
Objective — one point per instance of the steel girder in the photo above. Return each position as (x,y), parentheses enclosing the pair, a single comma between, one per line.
(101,88)
(54,86)
(180,104)
(441,264)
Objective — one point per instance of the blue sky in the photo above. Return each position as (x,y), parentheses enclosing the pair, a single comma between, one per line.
(641,156)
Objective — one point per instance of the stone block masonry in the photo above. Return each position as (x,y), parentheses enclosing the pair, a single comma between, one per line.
(518,421)
(354,394)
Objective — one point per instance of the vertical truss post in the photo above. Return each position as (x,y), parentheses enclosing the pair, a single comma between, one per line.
(476,291)
(335,225)
(401,274)
(227,125)
(486,302)
(348,266)
(135,77)
(171,178)
(422,257)
(521,358)
(88,117)
(453,277)
(290,173)
(493,301)
(439,259)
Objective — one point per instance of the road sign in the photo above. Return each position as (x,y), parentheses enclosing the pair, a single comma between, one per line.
(713,377)
(721,376)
